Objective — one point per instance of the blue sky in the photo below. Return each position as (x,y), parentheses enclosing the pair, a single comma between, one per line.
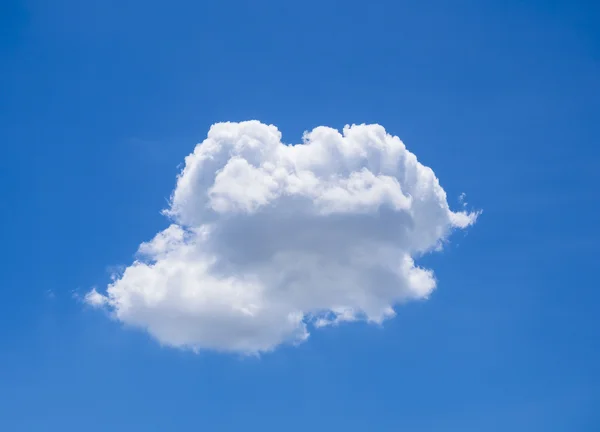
(101,102)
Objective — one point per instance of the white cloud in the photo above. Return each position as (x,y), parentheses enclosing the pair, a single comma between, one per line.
(95,299)
(271,240)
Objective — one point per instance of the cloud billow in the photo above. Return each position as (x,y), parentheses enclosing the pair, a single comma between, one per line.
(270,240)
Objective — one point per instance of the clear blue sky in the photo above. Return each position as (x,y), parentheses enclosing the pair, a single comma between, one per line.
(100,101)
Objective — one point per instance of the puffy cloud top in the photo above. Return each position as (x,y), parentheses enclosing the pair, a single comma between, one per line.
(269,240)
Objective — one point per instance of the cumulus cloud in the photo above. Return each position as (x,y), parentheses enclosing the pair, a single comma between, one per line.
(269,241)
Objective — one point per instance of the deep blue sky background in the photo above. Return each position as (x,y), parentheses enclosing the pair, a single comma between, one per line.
(101,100)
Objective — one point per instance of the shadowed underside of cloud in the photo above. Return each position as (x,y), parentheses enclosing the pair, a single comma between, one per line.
(270,240)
